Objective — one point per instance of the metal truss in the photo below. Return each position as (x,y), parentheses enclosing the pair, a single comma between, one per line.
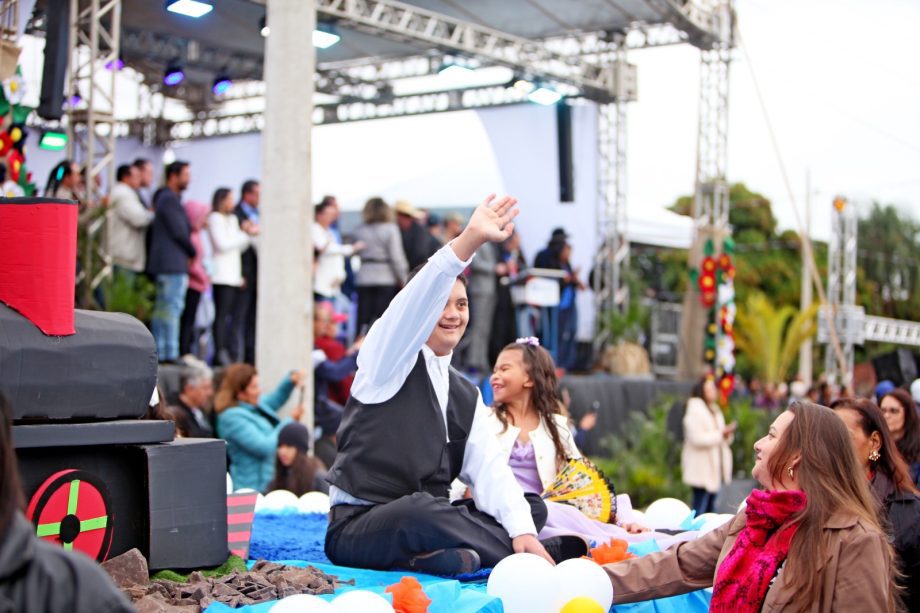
(611,291)
(9,20)
(405,22)
(845,316)
(711,192)
(160,49)
(885,330)
(95,33)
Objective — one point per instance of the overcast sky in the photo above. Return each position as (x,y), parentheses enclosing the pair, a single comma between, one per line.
(841,87)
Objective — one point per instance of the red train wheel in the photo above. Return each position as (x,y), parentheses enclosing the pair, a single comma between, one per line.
(72,509)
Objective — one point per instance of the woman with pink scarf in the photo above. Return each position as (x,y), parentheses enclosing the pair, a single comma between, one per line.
(810,540)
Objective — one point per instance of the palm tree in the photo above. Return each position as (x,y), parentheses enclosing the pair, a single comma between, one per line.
(770,337)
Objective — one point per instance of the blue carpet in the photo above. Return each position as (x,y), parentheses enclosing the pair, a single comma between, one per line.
(295,538)
(289,536)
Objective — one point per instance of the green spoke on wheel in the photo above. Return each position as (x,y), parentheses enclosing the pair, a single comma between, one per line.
(73,496)
(48,529)
(94,524)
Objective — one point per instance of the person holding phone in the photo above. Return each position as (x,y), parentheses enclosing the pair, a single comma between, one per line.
(706,458)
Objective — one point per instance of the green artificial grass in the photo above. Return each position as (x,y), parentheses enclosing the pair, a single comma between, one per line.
(233,563)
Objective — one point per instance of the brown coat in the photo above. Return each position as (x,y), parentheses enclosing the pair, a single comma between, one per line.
(854,578)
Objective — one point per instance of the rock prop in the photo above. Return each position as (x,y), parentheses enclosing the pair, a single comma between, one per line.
(265,581)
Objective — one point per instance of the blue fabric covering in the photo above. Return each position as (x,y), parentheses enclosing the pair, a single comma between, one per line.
(297,539)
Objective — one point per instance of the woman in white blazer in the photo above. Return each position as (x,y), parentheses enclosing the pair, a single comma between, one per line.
(536,437)
(229,241)
(706,458)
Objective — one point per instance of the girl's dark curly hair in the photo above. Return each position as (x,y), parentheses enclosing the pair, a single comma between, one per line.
(542,371)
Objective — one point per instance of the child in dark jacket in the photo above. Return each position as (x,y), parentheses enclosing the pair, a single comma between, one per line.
(295,469)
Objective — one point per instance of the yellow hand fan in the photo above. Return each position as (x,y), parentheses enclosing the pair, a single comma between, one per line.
(583,485)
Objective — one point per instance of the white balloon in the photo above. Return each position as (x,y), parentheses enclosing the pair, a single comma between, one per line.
(667,513)
(716,521)
(525,583)
(302,603)
(278,500)
(362,601)
(313,502)
(580,577)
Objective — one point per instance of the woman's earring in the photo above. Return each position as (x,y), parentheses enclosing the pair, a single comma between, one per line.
(874,455)
(791,474)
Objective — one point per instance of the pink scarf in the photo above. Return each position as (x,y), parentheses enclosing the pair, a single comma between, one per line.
(743,578)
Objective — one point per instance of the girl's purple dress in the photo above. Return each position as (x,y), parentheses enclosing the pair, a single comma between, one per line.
(563,518)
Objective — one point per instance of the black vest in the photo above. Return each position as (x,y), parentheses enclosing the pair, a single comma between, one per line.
(399,447)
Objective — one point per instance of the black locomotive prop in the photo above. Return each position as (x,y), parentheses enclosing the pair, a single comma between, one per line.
(97,477)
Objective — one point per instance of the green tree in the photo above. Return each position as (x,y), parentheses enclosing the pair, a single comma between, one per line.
(770,336)
(888,256)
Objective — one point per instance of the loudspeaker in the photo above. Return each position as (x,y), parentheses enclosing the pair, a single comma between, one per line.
(564,135)
(57,37)
(899,367)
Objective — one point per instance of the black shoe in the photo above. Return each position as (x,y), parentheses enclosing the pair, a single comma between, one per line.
(566,547)
(448,562)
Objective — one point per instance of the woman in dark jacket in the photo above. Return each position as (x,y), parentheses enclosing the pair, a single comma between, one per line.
(36,576)
(876,450)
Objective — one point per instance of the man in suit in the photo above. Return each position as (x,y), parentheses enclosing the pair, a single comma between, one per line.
(244,315)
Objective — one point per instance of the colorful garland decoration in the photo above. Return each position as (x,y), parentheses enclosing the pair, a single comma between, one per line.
(715,280)
(16,178)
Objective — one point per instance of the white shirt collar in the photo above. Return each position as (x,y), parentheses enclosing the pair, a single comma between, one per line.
(441,361)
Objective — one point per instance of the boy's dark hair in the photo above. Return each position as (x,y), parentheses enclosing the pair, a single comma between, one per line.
(175,168)
(139,163)
(416,270)
(123,172)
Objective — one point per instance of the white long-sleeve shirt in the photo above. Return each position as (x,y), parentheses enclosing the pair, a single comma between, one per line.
(330,265)
(229,242)
(389,354)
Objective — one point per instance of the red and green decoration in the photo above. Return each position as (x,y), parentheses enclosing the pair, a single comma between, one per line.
(17,180)
(72,509)
(715,281)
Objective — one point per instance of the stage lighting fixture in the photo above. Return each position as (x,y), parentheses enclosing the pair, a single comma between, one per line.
(173,75)
(325,35)
(544,95)
(221,84)
(116,64)
(52,140)
(189,8)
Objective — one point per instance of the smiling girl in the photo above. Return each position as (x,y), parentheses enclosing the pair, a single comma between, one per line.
(535,436)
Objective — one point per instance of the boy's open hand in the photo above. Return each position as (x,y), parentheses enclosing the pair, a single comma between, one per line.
(491,221)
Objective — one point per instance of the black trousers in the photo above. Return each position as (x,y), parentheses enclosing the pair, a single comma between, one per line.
(703,501)
(187,323)
(388,535)
(244,324)
(225,297)
(373,300)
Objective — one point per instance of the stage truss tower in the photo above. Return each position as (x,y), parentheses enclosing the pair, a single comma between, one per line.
(95,34)
(611,290)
